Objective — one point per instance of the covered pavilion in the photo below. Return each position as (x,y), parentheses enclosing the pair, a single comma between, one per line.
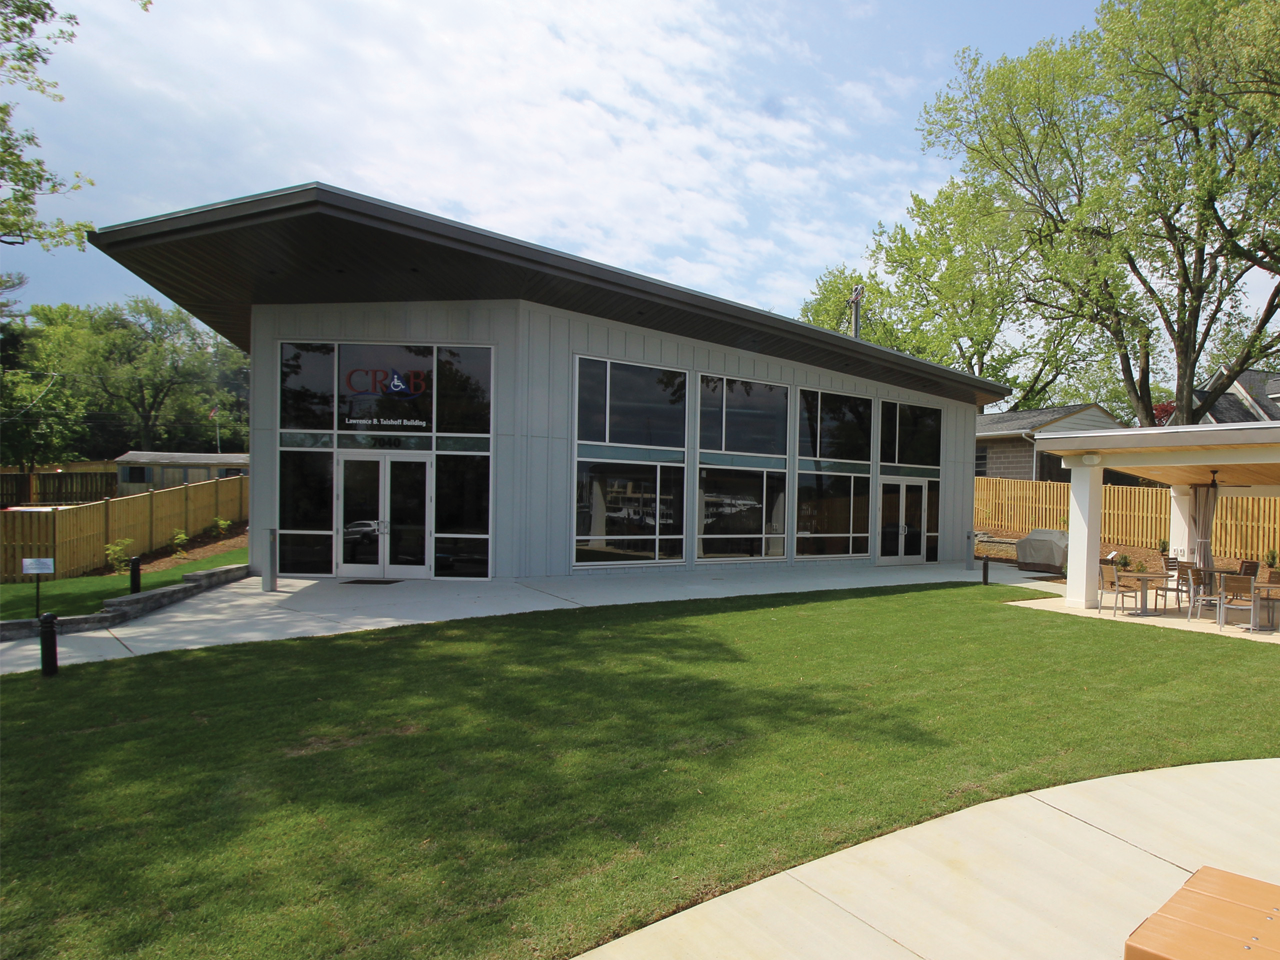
(1233,459)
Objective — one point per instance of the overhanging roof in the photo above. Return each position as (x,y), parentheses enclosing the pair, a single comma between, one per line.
(1243,454)
(318,244)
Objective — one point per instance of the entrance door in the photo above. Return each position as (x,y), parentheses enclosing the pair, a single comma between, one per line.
(383,509)
(902,514)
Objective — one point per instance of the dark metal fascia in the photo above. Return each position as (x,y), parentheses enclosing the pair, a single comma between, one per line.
(321,198)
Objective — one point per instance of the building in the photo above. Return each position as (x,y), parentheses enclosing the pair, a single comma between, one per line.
(434,400)
(1006,441)
(143,470)
(1251,399)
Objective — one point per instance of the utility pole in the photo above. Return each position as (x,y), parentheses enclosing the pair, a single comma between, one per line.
(854,304)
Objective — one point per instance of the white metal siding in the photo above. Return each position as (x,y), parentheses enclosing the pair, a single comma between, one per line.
(534,349)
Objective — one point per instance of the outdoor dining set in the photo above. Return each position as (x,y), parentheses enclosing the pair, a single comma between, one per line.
(1219,588)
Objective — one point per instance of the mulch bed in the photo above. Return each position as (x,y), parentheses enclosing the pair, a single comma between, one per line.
(198,547)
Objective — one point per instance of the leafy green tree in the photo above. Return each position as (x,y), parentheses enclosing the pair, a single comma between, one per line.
(156,372)
(39,419)
(28,31)
(952,293)
(1138,164)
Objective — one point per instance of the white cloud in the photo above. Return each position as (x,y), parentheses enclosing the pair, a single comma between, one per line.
(637,133)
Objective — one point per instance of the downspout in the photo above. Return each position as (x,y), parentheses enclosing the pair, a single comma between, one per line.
(1035,461)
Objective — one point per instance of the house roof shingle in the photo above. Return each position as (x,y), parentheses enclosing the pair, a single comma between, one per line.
(1025,421)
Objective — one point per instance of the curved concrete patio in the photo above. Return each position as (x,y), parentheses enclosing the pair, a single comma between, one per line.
(1068,872)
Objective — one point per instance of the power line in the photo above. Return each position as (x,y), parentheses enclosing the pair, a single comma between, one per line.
(52,381)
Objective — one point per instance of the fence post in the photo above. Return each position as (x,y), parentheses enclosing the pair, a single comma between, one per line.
(186,508)
(217,497)
(57,564)
(151,519)
(106,520)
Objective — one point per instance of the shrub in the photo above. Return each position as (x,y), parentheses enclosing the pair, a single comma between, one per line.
(1164,547)
(118,555)
(1270,558)
(222,525)
(178,541)
(1123,561)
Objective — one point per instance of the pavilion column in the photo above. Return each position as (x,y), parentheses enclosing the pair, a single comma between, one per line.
(1084,537)
(1181,534)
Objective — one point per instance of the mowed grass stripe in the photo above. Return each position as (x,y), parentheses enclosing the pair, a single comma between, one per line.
(534,785)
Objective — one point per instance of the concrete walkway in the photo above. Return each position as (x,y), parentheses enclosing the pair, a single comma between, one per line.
(241,612)
(1173,619)
(1067,872)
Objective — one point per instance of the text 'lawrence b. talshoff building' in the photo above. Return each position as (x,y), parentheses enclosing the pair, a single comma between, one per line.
(433,400)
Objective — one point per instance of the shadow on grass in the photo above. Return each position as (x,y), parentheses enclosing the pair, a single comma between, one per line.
(489,755)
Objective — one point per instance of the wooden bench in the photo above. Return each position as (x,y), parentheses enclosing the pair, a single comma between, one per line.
(1215,915)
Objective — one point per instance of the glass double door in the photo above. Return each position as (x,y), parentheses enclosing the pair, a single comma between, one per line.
(902,522)
(384,506)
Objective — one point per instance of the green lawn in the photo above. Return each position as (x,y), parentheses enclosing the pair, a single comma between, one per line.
(532,785)
(80,595)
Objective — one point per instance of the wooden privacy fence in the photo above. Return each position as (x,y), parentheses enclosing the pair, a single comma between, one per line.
(81,487)
(1243,527)
(76,537)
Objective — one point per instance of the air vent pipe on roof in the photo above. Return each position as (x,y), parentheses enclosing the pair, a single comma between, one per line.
(855,311)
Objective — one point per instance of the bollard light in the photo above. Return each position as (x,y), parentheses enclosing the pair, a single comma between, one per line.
(49,644)
(135,574)
(986,571)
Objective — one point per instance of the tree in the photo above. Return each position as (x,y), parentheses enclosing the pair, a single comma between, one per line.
(28,31)
(149,376)
(39,419)
(1138,164)
(953,294)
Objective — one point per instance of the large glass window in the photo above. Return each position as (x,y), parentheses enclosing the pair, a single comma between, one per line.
(833,486)
(743,416)
(462,515)
(741,514)
(629,512)
(833,514)
(385,397)
(910,434)
(462,390)
(306,490)
(306,386)
(625,403)
(834,426)
(385,388)
(306,503)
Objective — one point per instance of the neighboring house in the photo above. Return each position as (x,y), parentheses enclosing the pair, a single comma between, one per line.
(1251,399)
(434,400)
(141,471)
(1006,441)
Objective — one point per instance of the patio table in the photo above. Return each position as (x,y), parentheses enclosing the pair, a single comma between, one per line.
(1267,593)
(1143,578)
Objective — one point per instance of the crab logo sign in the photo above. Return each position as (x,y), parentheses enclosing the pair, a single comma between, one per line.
(387,383)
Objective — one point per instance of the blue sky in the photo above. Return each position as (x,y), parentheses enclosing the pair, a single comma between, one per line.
(737,148)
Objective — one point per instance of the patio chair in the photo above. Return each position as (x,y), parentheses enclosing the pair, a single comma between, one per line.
(1235,593)
(1200,597)
(1111,583)
(1248,568)
(1268,598)
(1178,585)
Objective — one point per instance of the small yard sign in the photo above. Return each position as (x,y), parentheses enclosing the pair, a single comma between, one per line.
(37,565)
